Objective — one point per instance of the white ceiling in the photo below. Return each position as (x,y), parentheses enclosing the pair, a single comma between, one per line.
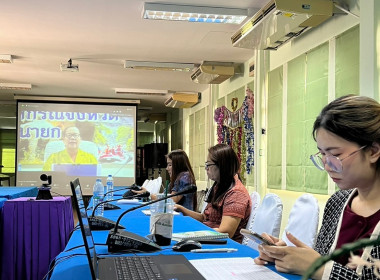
(99,35)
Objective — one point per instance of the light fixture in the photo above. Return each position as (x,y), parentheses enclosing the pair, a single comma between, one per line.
(139,91)
(6,58)
(191,13)
(15,86)
(70,67)
(164,66)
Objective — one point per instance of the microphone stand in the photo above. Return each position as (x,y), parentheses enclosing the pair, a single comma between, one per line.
(102,223)
(146,194)
(123,240)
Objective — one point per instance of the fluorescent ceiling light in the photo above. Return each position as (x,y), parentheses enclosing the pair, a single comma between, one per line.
(138,91)
(15,86)
(194,13)
(6,58)
(165,66)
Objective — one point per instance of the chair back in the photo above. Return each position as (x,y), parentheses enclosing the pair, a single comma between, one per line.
(268,217)
(57,146)
(201,204)
(303,220)
(157,185)
(255,199)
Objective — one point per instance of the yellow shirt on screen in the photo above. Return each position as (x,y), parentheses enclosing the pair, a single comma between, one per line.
(63,157)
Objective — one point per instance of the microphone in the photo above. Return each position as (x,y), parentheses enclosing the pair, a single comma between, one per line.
(122,189)
(121,240)
(102,223)
(108,206)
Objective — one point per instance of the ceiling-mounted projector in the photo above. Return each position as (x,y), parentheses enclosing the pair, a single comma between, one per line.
(69,66)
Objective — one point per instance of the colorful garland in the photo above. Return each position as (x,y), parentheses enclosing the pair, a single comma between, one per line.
(235,128)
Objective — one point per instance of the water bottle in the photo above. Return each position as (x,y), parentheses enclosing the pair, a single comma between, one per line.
(109,187)
(98,196)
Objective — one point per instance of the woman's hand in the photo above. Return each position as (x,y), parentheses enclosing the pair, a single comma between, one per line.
(263,258)
(143,190)
(291,259)
(178,208)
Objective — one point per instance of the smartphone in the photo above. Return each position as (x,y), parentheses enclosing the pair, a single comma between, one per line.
(256,237)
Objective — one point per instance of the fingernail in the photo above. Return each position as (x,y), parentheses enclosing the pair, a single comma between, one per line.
(265,263)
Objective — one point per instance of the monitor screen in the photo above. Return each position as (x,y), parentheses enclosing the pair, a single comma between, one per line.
(69,140)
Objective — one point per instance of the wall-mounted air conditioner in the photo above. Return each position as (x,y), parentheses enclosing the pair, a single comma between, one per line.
(216,72)
(281,20)
(183,100)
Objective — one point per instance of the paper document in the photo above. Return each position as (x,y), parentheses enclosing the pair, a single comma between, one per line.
(129,201)
(234,268)
(147,212)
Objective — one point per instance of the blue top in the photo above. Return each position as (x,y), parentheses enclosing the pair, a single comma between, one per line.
(183,181)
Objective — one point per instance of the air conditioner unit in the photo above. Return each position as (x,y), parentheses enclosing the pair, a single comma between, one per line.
(281,20)
(212,74)
(183,100)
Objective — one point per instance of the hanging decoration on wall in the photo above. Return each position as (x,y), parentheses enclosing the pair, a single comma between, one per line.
(235,128)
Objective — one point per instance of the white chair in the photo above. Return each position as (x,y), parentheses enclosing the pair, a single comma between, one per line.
(156,185)
(150,185)
(57,146)
(255,199)
(268,217)
(145,183)
(303,220)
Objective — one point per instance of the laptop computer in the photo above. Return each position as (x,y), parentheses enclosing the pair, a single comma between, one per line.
(170,267)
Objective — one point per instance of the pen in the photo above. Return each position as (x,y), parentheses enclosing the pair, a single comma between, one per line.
(217,250)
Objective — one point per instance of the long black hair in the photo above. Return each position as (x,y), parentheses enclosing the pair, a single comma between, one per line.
(227,161)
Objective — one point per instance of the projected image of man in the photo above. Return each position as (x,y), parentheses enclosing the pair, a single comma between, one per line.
(72,154)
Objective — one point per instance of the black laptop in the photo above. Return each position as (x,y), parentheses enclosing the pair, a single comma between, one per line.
(165,267)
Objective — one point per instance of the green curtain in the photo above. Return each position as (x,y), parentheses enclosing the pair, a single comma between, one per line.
(275,105)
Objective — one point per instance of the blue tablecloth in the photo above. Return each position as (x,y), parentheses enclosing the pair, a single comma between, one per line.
(2,200)
(73,264)
(15,192)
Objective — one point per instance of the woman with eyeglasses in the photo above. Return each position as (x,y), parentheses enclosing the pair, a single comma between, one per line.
(228,202)
(347,133)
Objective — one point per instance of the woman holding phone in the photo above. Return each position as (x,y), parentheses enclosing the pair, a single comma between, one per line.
(347,132)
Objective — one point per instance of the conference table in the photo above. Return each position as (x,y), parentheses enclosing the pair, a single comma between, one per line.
(15,192)
(72,262)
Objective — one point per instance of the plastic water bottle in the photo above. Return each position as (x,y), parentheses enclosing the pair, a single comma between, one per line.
(98,196)
(109,187)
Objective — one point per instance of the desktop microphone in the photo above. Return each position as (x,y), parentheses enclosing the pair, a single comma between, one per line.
(122,189)
(121,240)
(102,223)
(108,206)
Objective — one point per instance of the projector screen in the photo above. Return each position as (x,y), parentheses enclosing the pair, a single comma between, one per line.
(70,140)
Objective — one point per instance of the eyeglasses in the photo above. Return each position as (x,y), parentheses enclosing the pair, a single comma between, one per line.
(207,165)
(72,135)
(334,163)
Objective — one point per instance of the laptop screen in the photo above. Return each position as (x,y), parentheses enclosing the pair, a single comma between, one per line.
(84,225)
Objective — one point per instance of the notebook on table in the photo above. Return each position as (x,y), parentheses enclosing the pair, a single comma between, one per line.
(147,267)
(199,235)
